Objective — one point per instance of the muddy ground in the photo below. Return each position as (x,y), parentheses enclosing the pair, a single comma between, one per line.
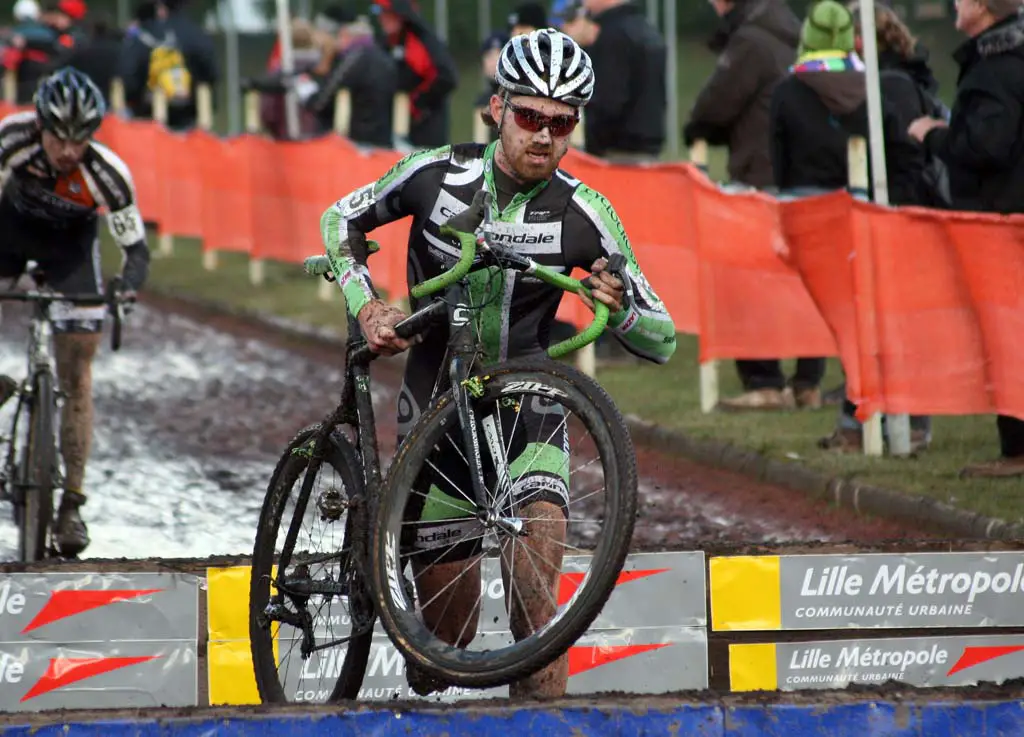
(193,411)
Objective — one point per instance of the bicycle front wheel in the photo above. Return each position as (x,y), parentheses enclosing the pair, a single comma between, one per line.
(303,648)
(485,595)
(37,471)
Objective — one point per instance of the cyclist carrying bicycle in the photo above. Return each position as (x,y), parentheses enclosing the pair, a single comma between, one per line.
(544,79)
(53,180)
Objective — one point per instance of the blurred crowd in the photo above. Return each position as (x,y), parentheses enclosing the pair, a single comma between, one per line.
(395,50)
(161,49)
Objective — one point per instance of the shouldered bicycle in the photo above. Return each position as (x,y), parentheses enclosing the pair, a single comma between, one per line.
(290,586)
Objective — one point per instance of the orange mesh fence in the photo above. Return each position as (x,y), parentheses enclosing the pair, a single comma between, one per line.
(923,307)
(752,304)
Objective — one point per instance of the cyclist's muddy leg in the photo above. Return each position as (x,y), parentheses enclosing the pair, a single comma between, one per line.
(535,564)
(75,353)
(453,592)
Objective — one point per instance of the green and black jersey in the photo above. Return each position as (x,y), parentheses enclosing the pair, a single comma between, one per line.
(560,223)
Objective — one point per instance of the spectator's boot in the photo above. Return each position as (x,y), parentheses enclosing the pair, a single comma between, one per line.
(806,398)
(71,536)
(758,399)
(1001,468)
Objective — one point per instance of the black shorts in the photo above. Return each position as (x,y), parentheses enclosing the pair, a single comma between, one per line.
(70,260)
(441,526)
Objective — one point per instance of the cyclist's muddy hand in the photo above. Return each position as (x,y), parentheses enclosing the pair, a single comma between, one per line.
(377,320)
(604,287)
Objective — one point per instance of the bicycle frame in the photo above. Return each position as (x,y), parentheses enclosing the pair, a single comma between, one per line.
(40,358)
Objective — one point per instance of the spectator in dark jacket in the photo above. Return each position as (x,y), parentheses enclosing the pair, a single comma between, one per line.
(756,46)
(814,112)
(908,90)
(984,150)
(173,28)
(625,119)
(366,70)
(426,70)
(98,56)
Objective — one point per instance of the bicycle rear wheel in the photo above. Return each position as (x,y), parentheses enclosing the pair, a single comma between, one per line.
(533,555)
(275,623)
(37,471)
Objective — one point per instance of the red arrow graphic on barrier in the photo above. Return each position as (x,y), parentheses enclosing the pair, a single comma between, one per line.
(571,581)
(69,602)
(63,671)
(973,656)
(582,658)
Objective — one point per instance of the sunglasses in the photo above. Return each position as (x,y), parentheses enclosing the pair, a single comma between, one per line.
(532,121)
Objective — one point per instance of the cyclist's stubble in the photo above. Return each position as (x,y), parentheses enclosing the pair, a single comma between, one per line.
(531,157)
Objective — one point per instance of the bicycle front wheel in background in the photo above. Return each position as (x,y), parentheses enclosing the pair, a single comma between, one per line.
(481,598)
(37,470)
(337,642)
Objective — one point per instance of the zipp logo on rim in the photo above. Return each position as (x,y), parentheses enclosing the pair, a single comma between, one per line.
(532,387)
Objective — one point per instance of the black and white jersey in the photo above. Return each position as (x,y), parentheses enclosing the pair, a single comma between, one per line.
(32,187)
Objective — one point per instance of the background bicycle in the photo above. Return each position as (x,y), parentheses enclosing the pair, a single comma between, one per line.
(32,467)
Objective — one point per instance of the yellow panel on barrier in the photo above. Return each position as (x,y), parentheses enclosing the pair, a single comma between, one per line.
(745,593)
(229,655)
(231,675)
(753,667)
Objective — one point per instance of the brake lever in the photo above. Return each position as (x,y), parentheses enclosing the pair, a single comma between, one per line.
(616,267)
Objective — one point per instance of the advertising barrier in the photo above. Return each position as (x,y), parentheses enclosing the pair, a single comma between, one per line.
(112,640)
(71,640)
(816,592)
(915,661)
(651,636)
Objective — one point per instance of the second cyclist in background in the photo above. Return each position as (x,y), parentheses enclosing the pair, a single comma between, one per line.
(53,181)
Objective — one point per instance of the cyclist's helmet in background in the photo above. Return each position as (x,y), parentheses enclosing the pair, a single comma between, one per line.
(69,104)
(546,63)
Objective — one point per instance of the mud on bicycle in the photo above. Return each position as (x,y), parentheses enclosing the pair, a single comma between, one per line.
(367,566)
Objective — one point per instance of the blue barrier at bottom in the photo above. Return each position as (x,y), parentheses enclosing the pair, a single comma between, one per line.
(864,719)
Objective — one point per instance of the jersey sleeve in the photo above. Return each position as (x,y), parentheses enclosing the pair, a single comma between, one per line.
(365,209)
(17,136)
(643,325)
(113,182)
(114,187)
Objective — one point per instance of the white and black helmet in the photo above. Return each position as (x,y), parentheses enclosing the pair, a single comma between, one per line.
(69,104)
(546,63)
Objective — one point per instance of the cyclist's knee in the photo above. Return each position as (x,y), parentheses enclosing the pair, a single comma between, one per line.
(75,353)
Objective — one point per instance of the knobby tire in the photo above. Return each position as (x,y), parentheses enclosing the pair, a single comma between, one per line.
(340,455)
(37,470)
(606,425)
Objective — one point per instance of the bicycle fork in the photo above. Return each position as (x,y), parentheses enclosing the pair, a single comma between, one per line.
(462,346)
